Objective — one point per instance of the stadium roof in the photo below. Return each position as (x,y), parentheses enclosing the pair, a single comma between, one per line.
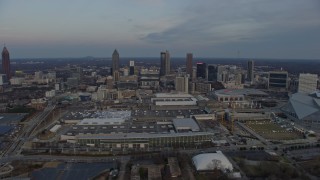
(210,161)
(316,94)
(303,105)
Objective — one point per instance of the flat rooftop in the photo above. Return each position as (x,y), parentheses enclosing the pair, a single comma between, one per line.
(173,95)
(236,92)
(185,124)
(139,135)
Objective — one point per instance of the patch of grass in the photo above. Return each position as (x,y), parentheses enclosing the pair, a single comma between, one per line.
(272,131)
(312,166)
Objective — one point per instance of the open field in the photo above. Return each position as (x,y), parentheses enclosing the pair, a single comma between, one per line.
(272,131)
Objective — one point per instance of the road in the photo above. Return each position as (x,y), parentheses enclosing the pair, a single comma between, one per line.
(27,132)
(47,158)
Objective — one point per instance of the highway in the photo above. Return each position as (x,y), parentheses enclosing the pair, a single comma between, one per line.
(27,132)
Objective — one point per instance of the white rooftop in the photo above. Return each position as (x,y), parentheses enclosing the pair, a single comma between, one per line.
(304,105)
(210,161)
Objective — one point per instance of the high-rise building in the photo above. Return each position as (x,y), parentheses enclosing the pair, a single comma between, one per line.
(203,87)
(115,61)
(189,64)
(3,79)
(116,76)
(182,84)
(201,70)
(6,62)
(164,63)
(131,68)
(212,73)
(125,71)
(278,80)
(250,70)
(307,83)
(222,73)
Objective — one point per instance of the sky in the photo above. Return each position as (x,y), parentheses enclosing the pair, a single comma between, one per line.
(144,28)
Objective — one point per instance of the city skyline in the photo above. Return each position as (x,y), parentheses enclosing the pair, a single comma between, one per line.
(239,29)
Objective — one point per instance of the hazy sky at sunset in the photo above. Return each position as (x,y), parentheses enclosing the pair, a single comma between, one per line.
(143,28)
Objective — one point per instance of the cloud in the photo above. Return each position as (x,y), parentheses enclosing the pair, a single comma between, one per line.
(216,22)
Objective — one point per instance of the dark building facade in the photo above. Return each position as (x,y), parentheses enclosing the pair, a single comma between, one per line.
(189,63)
(212,73)
(201,70)
(164,63)
(6,62)
(131,68)
(250,70)
(115,61)
(278,80)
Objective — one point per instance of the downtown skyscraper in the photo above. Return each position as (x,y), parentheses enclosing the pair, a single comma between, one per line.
(115,61)
(131,68)
(189,63)
(212,73)
(164,63)
(201,70)
(250,70)
(6,62)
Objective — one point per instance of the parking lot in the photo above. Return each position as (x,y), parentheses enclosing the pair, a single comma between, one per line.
(166,113)
(141,121)
(123,128)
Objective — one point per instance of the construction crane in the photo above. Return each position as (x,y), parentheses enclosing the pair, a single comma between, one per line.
(226,118)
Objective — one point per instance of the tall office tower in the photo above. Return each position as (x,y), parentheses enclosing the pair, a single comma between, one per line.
(307,83)
(182,84)
(250,70)
(3,79)
(201,70)
(116,76)
(278,80)
(222,71)
(115,61)
(212,73)
(189,64)
(164,63)
(125,71)
(6,62)
(131,68)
